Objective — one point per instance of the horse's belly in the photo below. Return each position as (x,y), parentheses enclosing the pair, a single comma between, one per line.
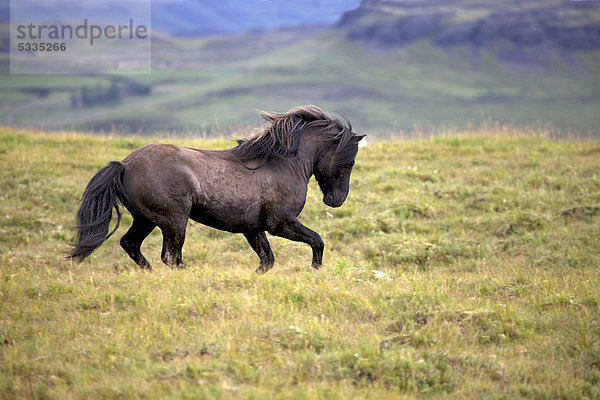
(229,219)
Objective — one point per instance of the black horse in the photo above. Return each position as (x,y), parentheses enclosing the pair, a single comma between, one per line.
(259,186)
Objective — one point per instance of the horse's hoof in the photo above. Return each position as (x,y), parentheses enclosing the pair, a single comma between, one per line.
(263,267)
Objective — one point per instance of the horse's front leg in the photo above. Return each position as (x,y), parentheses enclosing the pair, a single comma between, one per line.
(259,243)
(294,230)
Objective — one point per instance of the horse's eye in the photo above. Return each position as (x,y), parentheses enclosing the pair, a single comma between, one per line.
(349,165)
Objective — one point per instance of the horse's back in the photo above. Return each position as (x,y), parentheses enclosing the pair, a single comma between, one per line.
(152,152)
(159,176)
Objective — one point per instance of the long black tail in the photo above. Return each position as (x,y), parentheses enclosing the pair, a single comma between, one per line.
(93,217)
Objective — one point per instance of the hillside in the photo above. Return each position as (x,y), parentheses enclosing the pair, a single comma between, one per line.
(568,25)
(193,17)
(405,66)
(463,266)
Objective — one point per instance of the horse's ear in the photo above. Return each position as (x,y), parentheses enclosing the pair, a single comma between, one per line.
(356,138)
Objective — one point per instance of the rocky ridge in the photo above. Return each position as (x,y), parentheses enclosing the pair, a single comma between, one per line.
(570,25)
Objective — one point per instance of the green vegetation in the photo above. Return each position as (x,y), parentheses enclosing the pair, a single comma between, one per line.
(210,84)
(462,266)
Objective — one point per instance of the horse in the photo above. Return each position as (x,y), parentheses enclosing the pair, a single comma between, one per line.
(258,186)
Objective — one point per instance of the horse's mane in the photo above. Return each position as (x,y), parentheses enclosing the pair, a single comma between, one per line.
(281,136)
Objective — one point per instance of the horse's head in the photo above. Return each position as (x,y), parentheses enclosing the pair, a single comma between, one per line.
(334,167)
(333,143)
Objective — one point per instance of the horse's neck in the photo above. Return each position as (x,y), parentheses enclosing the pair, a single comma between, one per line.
(305,161)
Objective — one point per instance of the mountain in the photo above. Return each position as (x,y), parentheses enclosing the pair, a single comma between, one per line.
(198,17)
(194,17)
(570,25)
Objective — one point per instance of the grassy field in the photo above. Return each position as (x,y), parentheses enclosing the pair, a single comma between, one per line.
(461,266)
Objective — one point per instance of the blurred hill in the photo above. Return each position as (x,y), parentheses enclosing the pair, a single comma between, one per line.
(568,25)
(195,17)
(389,65)
(201,17)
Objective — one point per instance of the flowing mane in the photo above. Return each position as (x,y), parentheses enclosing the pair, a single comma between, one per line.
(281,136)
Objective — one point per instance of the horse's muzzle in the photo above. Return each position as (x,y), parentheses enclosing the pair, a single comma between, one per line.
(332,201)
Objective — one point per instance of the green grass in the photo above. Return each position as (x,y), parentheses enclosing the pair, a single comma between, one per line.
(449,272)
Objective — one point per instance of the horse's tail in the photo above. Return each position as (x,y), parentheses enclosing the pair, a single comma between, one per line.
(95,212)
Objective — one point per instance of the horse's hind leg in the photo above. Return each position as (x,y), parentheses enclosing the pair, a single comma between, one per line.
(173,238)
(131,242)
(260,244)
